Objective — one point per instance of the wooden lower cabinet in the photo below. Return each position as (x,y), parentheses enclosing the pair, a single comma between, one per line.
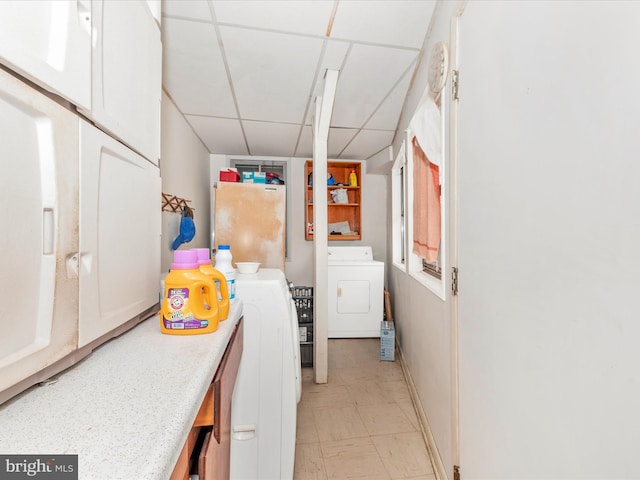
(207,449)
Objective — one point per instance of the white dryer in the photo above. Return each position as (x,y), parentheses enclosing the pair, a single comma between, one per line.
(269,383)
(356,292)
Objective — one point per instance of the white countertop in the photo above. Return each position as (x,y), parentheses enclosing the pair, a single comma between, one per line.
(126,409)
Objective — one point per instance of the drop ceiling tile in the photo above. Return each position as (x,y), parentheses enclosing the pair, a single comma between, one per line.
(367,143)
(194,9)
(273,139)
(310,17)
(272,73)
(333,58)
(220,135)
(334,55)
(391,22)
(305,144)
(193,70)
(386,117)
(377,68)
(338,139)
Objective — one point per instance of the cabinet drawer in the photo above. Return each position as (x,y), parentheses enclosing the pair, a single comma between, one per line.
(213,421)
(227,372)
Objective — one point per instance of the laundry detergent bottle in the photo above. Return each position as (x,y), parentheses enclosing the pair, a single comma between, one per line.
(186,291)
(218,278)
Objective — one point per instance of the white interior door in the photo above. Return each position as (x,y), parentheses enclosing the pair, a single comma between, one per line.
(549,232)
(452,176)
(38,194)
(120,226)
(127,74)
(50,43)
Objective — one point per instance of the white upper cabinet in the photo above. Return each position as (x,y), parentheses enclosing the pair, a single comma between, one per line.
(49,42)
(105,57)
(38,245)
(127,74)
(155,7)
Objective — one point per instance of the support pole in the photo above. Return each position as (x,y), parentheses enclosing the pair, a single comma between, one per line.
(321,121)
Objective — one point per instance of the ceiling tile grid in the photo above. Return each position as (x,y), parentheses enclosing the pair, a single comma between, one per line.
(245,73)
(306,17)
(367,78)
(193,69)
(219,134)
(272,73)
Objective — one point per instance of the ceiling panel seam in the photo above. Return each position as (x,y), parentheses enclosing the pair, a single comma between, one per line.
(223,54)
(310,96)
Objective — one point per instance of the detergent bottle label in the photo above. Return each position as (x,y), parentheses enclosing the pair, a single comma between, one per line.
(180,315)
(231,288)
(231,285)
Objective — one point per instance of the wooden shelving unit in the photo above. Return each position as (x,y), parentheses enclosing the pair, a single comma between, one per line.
(337,212)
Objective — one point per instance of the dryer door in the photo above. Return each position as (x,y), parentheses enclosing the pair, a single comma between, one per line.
(355,300)
(354,296)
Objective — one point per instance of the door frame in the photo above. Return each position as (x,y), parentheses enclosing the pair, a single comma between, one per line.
(453,241)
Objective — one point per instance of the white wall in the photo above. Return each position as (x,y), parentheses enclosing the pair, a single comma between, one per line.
(549,234)
(548,227)
(184,168)
(423,327)
(299,265)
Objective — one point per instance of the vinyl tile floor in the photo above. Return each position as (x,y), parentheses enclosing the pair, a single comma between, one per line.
(362,423)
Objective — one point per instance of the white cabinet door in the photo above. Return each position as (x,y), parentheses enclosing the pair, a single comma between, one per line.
(49,42)
(39,198)
(355,300)
(120,226)
(127,74)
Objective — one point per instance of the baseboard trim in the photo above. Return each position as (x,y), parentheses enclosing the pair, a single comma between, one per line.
(427,435)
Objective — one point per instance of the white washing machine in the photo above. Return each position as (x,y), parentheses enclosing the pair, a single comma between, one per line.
(356,292)
(269,383)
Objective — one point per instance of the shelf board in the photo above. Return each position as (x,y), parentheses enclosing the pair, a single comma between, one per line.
(330,204)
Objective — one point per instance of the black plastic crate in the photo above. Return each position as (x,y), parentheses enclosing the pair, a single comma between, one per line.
(305,315)
(306,355)
(303,303)
(302,292)
(305,333)
(303,299)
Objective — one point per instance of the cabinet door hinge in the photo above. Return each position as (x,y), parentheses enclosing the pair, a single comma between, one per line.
(454,280)
(456,472)
(455,84)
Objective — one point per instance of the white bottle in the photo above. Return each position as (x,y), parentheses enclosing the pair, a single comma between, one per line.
(223,264)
